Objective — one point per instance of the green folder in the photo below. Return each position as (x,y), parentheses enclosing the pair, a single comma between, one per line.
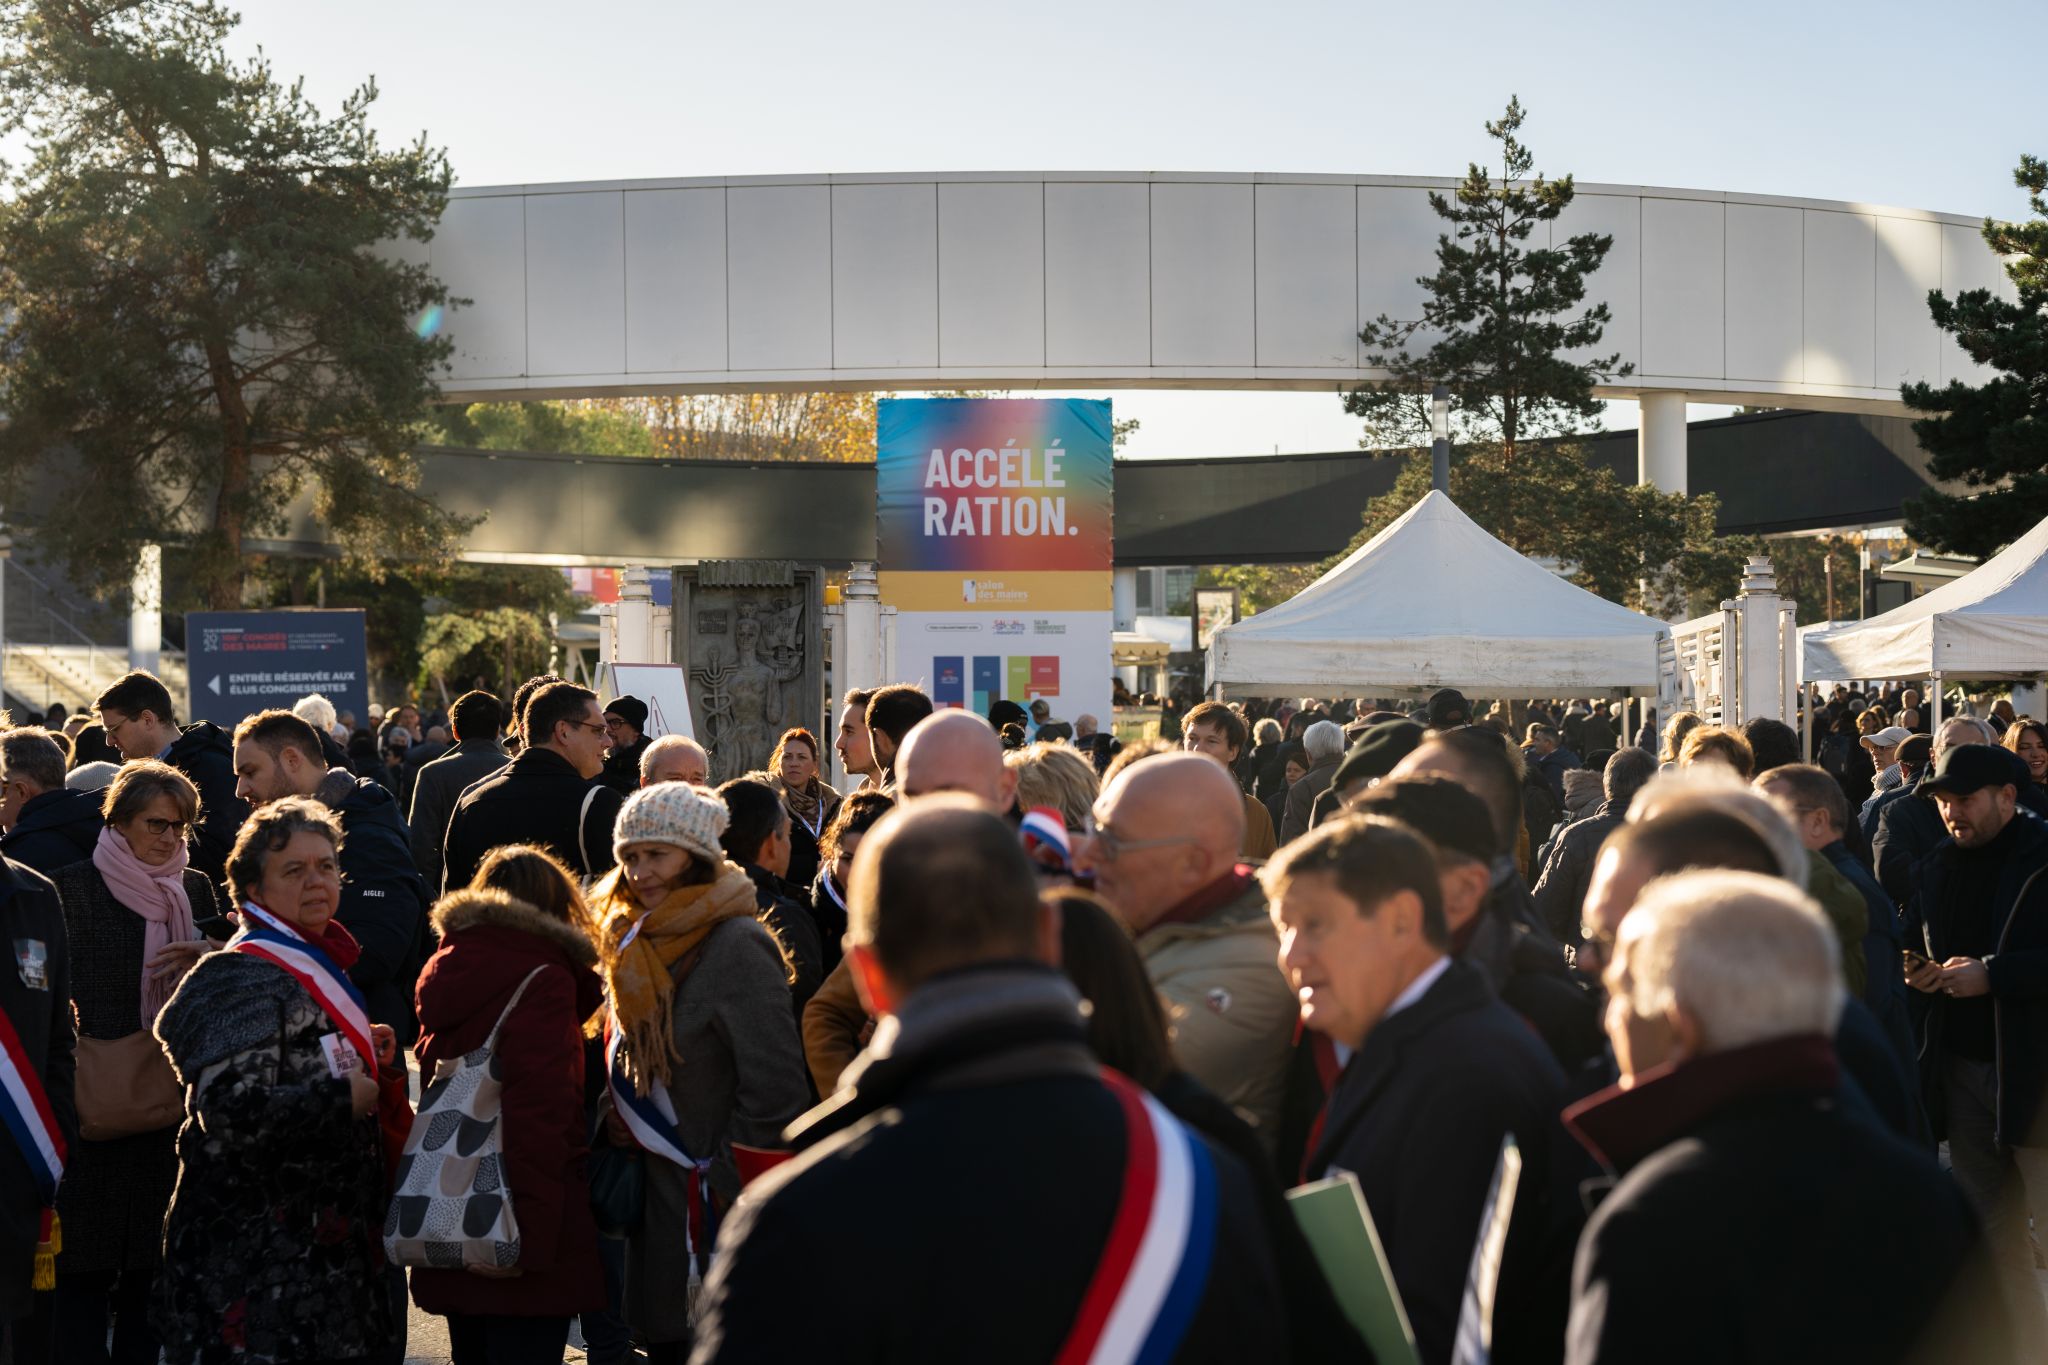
(1339,1229)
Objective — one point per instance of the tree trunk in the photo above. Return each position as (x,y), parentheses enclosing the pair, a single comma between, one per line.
(222,573)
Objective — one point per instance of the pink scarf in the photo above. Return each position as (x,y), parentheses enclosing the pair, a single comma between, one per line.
(155,893)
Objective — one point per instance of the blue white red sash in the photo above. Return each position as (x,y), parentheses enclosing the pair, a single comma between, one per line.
(651,1119)
(1149,1281)
(264,935)
(1043,827)
(26,1109)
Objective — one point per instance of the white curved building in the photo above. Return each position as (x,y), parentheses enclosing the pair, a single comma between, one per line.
(1155,280)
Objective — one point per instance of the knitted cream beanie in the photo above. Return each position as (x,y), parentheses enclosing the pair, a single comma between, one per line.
(673,813)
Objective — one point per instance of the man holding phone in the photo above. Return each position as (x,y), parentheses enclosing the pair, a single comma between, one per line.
(1978,935)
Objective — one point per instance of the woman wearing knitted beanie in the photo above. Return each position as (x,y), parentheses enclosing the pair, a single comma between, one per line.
(705,1065)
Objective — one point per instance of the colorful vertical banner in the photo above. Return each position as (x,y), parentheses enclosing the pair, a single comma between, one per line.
(994,534)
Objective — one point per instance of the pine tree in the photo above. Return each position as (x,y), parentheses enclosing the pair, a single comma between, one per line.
(1992,436)
(203,317)
(1501,314)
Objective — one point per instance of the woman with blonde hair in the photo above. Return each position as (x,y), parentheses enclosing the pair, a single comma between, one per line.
(1676,729)
(1057,776)
(2026,737)
(704,1066)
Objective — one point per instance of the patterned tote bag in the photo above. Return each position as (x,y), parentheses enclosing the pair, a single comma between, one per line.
(450,1209)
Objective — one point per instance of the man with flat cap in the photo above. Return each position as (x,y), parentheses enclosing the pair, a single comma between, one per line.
(1372,756)
(1448,709)
(625,721)
(1979,914)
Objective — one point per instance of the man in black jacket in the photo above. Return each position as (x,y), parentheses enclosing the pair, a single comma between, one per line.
(1980,916)
(477,754)
(977,1119)
(47,826)
(1560,892)
(549,795)
(1440,1072)
(625,720)
(1754,1219)
(383,902)
(141,723)
(1909,827)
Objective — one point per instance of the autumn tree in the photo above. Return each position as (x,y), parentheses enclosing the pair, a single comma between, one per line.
(199,324)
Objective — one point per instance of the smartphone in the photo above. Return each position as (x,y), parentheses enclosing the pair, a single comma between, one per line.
(1914,960)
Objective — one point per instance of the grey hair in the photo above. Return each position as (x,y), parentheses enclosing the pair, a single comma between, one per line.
(668,744)
(1985,734)
(316,711)
(1627,773)
(1324,739)
(1748,957)
(1716,787)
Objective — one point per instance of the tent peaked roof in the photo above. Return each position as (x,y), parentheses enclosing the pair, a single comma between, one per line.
(1991,622)
(1434,601)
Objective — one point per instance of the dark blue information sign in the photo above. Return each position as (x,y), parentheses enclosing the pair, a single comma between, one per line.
(247,661)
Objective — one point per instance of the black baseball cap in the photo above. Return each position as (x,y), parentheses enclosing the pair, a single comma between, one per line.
(1448,708)
(1440,811)
(1972,767)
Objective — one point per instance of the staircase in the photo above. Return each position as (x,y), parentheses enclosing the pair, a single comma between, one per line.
(63,649)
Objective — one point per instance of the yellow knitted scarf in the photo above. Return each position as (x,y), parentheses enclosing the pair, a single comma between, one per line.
(639,974)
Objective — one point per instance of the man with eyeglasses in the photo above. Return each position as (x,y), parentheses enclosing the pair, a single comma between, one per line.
(549,795)
(137,715)
(1164,854)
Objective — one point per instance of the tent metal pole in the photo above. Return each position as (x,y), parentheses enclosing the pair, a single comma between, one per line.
(1934,703)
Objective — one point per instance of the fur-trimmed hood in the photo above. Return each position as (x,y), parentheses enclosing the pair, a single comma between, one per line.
(477,907)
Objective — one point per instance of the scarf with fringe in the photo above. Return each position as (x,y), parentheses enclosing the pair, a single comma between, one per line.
(639,976)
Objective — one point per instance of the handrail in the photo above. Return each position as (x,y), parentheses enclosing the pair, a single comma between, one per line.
(57,619)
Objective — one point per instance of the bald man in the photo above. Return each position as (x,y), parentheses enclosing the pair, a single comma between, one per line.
(1164,854)
(955,751)
(675,758)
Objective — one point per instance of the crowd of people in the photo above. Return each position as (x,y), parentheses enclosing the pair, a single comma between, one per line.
(1011,1049)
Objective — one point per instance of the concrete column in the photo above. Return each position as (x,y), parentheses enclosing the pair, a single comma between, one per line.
(1660,442)
(860,665)
(146,611)
(1123,599)
(636,639)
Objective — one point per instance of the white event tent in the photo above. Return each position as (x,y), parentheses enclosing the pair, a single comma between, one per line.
(1434,601)
(1990,623)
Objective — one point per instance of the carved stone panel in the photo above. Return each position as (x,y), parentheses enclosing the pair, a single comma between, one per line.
(750,637)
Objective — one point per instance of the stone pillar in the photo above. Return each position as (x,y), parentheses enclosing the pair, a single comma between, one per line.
(1660,442)
(1123,599)
(636,642)
(146,611)
(861,665)
(1759,688)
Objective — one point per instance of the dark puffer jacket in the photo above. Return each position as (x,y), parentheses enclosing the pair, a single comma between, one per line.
(488,946)
(382,897)
(55,829)
(1561,887)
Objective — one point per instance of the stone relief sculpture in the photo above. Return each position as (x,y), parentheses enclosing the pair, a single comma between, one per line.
(755,666)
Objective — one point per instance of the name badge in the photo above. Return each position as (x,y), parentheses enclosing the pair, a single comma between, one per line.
(32,960)
(342,1060)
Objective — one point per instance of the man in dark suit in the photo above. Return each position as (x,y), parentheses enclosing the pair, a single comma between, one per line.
(1439,1072)
(980,1142)
(477,718)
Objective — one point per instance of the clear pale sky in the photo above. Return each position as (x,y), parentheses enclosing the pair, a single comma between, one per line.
(1923,105)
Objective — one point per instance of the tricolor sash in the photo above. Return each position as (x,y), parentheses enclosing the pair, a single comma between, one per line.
(651,1119)
(1043,827)
(1149,1281)
(26,1108)
(264,935)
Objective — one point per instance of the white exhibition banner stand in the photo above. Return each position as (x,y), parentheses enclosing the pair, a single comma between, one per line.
(666,692)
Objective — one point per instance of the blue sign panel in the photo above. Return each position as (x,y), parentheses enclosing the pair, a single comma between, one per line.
(243,662)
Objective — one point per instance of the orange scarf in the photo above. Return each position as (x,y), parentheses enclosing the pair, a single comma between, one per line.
(640,974)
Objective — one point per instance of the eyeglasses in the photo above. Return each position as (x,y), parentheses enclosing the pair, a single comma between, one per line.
(1110,847)
(159,828)
(601,728)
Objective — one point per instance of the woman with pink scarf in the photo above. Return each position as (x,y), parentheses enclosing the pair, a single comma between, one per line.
(129,913)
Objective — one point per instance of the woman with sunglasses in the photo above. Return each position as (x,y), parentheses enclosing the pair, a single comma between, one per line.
(131,913)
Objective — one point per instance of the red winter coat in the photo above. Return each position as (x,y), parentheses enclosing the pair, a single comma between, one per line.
(489,943)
